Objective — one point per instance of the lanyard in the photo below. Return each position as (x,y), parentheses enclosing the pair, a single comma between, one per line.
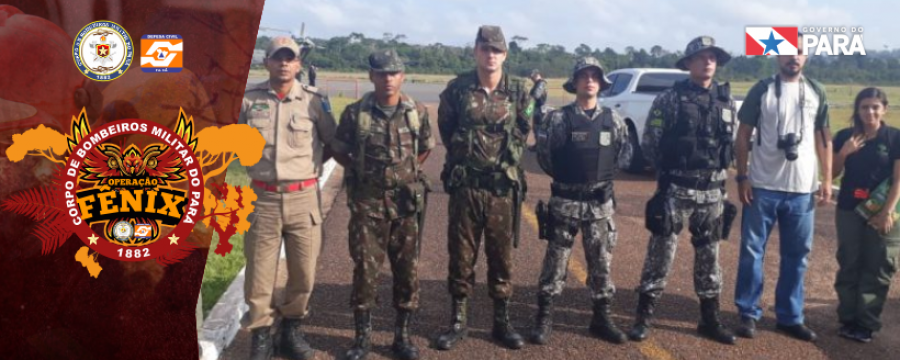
(778,115)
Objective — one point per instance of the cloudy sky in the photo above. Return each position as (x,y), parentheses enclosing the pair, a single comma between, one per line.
(597,23)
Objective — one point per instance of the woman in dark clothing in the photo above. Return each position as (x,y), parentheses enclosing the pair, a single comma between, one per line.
(868,154)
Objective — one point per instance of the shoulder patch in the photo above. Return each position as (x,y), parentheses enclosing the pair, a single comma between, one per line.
(326,105)
(530,109)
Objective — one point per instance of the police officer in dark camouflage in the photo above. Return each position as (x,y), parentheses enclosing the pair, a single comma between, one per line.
(579,147)
(484,120)
(382,140)
(689,139)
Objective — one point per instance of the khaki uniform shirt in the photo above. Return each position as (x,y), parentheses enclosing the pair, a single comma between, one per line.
(296,130)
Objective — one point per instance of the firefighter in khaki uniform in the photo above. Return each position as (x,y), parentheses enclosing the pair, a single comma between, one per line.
(297,123)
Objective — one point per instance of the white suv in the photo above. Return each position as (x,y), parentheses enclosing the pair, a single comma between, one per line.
(631,95)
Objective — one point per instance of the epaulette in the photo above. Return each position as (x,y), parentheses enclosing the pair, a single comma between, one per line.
(463,79)
(311,89)
(261,86)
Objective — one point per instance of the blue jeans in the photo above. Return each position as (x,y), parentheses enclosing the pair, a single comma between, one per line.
(795,214)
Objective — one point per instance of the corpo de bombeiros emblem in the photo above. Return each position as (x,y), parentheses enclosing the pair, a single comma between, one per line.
(131,189)
(103,50)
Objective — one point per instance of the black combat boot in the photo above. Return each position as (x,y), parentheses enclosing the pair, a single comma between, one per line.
(543,322)
(710,326)
(457,329)
(363,342)
(503,330)
(602,326)
(641,329)
(261,344)
(293,343)
(403,347)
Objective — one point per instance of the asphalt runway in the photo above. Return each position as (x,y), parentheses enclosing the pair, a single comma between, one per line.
(330,326)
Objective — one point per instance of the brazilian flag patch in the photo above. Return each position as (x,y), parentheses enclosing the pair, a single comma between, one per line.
(530,109)
(656,122)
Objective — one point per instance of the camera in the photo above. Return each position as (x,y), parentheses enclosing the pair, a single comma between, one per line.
(788,143)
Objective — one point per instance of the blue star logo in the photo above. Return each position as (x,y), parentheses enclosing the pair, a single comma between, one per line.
(771,43)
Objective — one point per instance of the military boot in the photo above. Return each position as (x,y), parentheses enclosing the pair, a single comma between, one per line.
(457,329)
(260,344)
(641,329)
(602,326)
(363,342)
(710,326)
(503,330)
(293,343)
(543,322)
(403,347)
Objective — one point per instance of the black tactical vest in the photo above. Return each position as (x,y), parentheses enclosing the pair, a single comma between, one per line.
(702,136)
(589,155)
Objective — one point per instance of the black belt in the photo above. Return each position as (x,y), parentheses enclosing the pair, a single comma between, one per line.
(694,183)
(491,128)
(601,193)
(487,180)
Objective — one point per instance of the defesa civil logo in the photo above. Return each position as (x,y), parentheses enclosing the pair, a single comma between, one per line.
(162,53)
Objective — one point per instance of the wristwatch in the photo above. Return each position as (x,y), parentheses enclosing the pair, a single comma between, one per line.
(740,178)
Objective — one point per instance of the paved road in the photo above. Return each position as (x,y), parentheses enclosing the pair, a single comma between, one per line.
(330,326)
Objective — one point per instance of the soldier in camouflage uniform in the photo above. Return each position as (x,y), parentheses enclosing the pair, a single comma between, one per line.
(484,120)
(579,147)
(689,139)
(382,140)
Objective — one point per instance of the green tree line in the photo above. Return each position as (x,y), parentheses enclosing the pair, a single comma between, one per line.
(349,53)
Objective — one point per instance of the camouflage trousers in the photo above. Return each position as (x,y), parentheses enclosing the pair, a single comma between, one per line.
(661,249)
(474,212)
(598,237)
(370,240)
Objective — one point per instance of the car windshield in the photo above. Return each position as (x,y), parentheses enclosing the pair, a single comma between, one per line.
(657,82)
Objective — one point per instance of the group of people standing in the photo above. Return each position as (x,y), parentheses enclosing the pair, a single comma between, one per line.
(782,143)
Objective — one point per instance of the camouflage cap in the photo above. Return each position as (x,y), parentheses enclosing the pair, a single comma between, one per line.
(584,63)
(385,61)
(492,36)
(699,44)
(282,42)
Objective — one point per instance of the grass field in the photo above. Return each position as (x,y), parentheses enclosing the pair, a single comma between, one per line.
(840,96)
(220,271)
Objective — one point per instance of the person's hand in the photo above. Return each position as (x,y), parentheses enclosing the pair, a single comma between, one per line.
(824,194)
(853,144)
(746,192)
(883,222)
